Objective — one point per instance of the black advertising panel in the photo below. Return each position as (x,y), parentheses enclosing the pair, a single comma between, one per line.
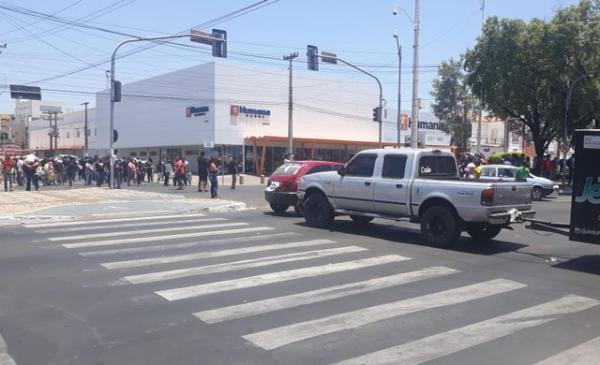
(585,203)
(25,92)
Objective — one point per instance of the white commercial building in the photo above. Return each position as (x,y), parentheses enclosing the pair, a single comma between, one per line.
(243,112)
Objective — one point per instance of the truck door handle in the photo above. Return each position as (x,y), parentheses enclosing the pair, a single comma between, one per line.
(399,186)
(367,183)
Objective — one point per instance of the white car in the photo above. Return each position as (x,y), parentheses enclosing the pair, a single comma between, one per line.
(542,187)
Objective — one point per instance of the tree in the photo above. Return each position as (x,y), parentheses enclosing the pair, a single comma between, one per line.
(525,69)
(454,102)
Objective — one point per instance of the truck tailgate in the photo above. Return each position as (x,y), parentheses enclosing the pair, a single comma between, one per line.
(509,193)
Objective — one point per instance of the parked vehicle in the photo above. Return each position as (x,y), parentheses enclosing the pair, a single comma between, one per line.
(282,185)
(542,187)
(422,186)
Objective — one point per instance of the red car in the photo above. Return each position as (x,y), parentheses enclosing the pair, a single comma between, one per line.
(283,183)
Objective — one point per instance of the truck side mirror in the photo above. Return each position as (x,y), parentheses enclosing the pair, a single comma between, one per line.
(342,171)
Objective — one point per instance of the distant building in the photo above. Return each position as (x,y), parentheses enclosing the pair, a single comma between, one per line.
(6,133)
(27,111)
(71,133)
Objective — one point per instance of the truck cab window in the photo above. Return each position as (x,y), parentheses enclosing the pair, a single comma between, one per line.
(393,166)
(362,165)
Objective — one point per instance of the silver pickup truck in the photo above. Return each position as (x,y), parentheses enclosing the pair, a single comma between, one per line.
(420,185)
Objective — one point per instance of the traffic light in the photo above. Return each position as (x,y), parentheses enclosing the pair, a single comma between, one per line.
(115,136)
(312,54)
(219,47)
(377,114)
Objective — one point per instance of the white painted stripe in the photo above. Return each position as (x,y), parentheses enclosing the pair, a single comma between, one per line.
(239,265)
(145,231)
(124,241)
(587,353)
(210,254)
(5,358)
(320,295)
(174,246)
(446,343)
(128,225)
(281,336)
(275,277)
(100,221)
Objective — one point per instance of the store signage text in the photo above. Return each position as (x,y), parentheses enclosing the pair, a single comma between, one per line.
(591,192)
(193,111)
(236,110)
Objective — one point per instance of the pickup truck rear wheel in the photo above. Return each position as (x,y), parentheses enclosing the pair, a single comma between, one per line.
(317,211)
(483,232)
(440,226)
(279,208)
(361,219)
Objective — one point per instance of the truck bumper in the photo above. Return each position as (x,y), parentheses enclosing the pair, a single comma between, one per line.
(504,218)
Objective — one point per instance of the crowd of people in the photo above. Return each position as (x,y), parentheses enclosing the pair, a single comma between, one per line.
(470,167)
(31,171)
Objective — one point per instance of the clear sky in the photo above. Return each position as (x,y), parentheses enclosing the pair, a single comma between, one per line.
(359,31)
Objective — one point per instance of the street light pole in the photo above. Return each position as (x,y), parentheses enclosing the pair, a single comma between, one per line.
(290,58)
(478,149)
(112,90)
(414,129)
(399,114)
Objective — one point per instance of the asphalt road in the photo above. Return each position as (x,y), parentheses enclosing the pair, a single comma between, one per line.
(254,288)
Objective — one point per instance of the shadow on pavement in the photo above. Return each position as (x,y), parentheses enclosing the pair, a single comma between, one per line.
(589,264)
(402,234)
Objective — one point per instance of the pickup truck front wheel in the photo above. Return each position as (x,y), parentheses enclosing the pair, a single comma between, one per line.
(483,232)
(440,226)
(317,211)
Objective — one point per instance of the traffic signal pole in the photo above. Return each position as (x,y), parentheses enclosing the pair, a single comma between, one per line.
(215,43)
(325,57)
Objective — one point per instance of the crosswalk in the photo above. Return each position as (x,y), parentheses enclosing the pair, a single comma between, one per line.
(176,257)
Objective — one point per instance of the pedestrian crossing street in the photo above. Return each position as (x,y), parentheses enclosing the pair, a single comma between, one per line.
(172,256)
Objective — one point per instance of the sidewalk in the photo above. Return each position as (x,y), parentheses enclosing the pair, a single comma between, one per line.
(60,203)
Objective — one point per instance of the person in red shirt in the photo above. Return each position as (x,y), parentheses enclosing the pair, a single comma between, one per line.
(7,172)
(180,173)
(547,168)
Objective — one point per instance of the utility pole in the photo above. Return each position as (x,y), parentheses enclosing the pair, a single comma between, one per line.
(478,149)
(55,131)
(414,129)
(85,146)
(291,58)
(399,114)
(50,132)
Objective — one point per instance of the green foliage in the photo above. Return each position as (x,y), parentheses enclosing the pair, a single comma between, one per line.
(499,157)
(525,69)
(454,102)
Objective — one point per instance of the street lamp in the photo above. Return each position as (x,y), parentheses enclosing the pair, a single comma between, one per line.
(414,129)
(399,114)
